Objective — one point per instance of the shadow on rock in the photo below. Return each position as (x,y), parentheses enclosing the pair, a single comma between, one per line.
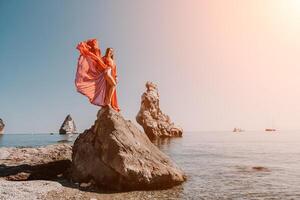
(46,171)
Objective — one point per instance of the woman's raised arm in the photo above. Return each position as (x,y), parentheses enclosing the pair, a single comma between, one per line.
(84,51)
(95,58)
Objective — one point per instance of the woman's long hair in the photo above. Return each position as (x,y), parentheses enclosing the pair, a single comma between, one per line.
(106,52)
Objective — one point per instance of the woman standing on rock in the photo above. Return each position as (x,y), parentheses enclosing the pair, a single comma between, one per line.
(96,76)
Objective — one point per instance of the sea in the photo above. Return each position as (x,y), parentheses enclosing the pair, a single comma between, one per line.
(218,164)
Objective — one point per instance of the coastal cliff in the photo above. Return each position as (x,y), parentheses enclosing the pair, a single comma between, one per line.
(155,123)
(115,154)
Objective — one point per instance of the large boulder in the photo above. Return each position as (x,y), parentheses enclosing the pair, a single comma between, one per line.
(2,125)
(115,154)
(68,126)
(32,163)
(155,123)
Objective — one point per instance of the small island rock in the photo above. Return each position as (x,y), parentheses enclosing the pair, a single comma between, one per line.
(68,126)
(115,154)
(155,123)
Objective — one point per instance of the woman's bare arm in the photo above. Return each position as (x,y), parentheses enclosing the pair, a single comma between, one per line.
(94,57)
(85,51)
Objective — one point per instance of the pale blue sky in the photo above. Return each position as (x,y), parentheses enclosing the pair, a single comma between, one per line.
(218,64)
(38,57)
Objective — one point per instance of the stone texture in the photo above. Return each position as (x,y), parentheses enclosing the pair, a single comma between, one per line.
(29,190)
(35,163)
(68,126)
(2,125)
(115,154)
(155,123)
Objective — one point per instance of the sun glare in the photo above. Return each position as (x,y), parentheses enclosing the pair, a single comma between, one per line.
(284,17)
(289,8)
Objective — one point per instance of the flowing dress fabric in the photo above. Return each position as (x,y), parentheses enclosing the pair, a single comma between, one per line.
(90,80)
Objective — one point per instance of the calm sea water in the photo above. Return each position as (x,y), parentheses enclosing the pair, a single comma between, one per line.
(33,140)
(219,165)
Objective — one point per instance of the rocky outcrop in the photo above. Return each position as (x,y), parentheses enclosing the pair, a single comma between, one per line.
(68,126)
(44,163)
(155,123)
(115,154)
(2,125)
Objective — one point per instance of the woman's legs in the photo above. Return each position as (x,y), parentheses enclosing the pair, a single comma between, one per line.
(111,88)
(110,93)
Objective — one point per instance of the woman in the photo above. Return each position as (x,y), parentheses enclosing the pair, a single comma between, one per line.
(96,76)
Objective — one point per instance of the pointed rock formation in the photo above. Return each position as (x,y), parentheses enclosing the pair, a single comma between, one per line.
(2,125)
(155,123)
(115,154)
(68,126)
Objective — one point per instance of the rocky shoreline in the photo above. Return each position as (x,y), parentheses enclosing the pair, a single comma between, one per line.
(55,190)
(41,163)
(25,173)
(16,165)
(107,161)
(16,184)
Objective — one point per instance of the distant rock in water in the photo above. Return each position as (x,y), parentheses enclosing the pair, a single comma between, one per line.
(68,126)
(261,169)
(155,123)
(2,125)
(115,154)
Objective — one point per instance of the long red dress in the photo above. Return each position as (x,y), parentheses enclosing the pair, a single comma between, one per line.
(90,80)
